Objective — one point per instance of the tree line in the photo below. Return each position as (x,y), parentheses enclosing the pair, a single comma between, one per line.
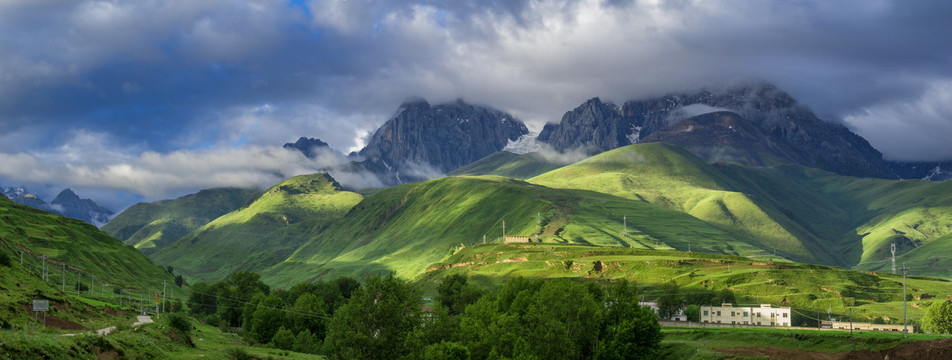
(385,317)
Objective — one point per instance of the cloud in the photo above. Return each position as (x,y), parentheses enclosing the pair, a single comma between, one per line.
(918,129)
(156,175)
(689,111)
(174,76)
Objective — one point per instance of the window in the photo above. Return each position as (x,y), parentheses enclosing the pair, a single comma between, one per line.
(705,312)
(745,323)
(758,315)
(758,323)
(718,313)
(732,314)
(784,314)
(745,314)
(773,314)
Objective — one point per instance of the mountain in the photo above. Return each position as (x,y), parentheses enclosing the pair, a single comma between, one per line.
(21,195)
(594,126)
(406,228)
(67,203)
(933,170)
(261,233)
(310,147)
(149,227)
(726,136)
(813,142)
(423,141)
(70,205)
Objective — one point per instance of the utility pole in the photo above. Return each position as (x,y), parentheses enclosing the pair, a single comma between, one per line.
(689,247)
(905,328)
(43,267)
(818,316)
(504,231)
(79,281)
(163,296)
(92,285)
(64,277)
(892,248)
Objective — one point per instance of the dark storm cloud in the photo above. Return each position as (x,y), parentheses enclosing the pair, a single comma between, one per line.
(191,78)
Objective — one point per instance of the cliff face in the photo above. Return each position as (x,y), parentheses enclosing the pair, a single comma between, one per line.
(423,141)
(811,141)
(70,205)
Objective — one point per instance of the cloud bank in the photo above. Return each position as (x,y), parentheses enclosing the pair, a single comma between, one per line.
(172,79)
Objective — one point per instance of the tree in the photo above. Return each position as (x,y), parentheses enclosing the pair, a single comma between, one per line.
(283,339)
(267,318)
(693,313)
(637,337)
(202,301)
(178,280)
(455,293)
(307,313)
(305,342)
(938,318)
(669,302)
(446,351)
(377,321)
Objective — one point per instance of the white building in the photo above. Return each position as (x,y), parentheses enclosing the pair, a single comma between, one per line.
(654,307)
(764,315)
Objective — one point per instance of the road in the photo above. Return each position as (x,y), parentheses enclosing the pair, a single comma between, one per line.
(140,320)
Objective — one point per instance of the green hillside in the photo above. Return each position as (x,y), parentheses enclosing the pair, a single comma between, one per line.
(87,254)
(262,233)
(753,280)
(150,227)
(516,166)
(406,228)
(671,177)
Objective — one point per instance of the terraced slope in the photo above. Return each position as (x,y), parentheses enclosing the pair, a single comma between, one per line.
(408,227)
(150,227)
(262,233)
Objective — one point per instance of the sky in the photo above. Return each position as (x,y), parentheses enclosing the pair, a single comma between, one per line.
(126,101)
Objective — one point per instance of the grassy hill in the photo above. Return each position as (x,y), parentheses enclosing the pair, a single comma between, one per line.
(84,251)
(150,227)
(804,287)
(262,233)
(516,166)
(671,177)
(408,227)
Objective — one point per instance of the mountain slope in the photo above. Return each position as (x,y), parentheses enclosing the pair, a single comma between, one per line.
(150,227)
(406,228)
(671,177)
(70,205)
(79,246)
(262,233)
(516,166)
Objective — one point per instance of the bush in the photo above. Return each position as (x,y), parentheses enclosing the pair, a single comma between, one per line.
(213,320)
(305,342)
(238,354)
(180,323)
(5,259)
(283,339)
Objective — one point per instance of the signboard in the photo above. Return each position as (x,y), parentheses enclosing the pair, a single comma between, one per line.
(41,305)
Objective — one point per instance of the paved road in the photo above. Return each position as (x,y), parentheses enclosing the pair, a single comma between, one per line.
(140,320)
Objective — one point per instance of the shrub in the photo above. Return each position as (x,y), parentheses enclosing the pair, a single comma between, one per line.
(213,320)
(238,354)
(283,339)
(5,259)
(180,323)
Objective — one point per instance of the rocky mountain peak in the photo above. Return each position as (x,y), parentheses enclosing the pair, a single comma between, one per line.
(310,147)
(68,204)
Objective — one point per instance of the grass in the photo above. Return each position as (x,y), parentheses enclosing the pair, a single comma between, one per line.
(806,288)
(262,233)
(516,166)
(150,227)
(695,343)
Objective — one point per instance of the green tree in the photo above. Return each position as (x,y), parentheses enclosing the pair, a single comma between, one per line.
(307,313)
(693,313)
(455,293)
(283,339)
(202,301)
(669,302)
(446,351)
(637,337)
(267,318)
(305,342)
(378,320)
(178,280)
(938,318)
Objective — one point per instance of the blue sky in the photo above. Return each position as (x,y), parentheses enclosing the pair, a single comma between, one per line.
(117,98)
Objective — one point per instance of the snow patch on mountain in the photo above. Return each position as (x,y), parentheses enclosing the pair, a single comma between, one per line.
(634,134)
